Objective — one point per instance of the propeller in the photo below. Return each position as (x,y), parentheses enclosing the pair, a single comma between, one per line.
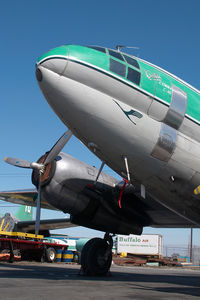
(197,190)
(40,167)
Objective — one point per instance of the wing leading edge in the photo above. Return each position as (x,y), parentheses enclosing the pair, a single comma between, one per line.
(29,197)
(51,224)
(24,197)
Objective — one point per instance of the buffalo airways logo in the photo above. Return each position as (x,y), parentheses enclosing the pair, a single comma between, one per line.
(152,76)
(158,80)
(130,113)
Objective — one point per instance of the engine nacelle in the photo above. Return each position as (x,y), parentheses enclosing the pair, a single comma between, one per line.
(65,187)
(70,188)
(106,222)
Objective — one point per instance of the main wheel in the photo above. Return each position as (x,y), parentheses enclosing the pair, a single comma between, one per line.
(96,257)
(50,254)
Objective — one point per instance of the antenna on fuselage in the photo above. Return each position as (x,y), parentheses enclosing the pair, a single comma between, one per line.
(119,47)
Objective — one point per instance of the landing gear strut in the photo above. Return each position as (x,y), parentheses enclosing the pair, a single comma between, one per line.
(96,256)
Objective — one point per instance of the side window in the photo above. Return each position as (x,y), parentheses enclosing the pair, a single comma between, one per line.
(115,54)
(132,61)
(133,76)
(117,67)
(98,48)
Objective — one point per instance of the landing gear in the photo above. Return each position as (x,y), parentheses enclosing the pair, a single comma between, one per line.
(96,256)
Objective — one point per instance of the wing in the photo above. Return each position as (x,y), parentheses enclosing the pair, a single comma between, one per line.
(51,224)
(162,216)
(24,197)
(158,214)
(29,197)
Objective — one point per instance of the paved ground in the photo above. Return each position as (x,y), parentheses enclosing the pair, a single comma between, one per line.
(32,281)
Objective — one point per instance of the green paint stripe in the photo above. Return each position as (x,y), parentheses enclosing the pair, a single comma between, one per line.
(123,80)
(59,51)
(191,112)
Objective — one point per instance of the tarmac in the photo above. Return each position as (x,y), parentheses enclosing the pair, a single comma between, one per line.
(31,280)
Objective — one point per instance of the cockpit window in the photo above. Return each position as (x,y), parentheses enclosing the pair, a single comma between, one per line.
(117,67)
(115,54)
(98,48)
(133,76)
(131,61)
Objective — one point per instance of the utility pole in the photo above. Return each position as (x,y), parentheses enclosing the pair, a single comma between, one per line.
(191,243)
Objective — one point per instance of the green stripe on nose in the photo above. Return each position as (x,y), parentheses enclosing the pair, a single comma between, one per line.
(56,52)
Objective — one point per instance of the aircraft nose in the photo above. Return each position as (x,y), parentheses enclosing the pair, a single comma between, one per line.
(38,74)
(54,60)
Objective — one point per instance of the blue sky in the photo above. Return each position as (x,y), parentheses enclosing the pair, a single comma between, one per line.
(167,33)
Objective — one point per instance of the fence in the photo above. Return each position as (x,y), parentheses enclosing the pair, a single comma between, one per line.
(183,250)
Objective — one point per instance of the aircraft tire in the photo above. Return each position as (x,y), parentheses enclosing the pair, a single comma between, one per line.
(96,257)
(84,254)
(77,257)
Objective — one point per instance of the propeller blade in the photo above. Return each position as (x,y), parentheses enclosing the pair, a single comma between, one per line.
(38,209)
(55,150)
(18,162)
(197,190)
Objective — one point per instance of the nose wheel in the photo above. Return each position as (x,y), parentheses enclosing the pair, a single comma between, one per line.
(96,256)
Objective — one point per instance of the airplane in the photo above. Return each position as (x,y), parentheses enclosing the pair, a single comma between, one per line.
(9,222)
(140,120)
(22,220)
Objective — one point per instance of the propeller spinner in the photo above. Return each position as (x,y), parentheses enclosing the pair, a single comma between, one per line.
(40,167)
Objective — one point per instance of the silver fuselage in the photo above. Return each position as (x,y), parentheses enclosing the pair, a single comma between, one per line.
(95,108)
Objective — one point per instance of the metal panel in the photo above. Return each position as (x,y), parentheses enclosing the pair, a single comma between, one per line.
(166,143)
(177,109)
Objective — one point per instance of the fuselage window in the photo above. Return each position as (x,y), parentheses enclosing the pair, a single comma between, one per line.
(98,48)
(117,67)
(115,54)
(131,61)
(133,76)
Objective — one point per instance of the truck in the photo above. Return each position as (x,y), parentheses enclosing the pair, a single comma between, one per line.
(29,246)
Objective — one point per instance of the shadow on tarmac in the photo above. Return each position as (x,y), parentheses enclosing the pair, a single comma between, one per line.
(182,284)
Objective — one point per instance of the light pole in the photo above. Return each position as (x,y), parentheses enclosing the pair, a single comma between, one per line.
(191,243)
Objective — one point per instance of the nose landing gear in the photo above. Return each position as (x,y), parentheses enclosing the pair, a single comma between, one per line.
(96,256)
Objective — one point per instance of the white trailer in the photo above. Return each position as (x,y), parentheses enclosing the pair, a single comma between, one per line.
(146,244)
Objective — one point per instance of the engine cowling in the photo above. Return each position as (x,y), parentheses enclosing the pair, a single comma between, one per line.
(70,188)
